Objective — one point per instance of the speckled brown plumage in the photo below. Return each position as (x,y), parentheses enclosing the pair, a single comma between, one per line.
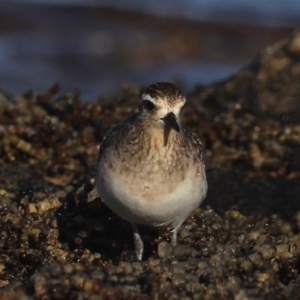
(165,90)
(151,168)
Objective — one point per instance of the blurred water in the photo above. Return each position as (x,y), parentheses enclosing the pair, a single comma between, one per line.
(255,12)
(79,46)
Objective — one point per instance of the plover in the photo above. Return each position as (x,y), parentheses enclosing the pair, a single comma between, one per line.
(151,167)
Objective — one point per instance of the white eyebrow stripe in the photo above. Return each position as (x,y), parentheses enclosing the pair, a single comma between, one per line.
(147,97)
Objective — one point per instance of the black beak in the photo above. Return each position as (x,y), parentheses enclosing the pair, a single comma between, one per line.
(170,120)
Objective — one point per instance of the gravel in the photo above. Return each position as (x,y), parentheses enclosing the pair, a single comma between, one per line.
(59,241)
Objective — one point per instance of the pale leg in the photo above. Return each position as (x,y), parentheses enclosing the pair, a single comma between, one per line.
(138,243)
(174,238)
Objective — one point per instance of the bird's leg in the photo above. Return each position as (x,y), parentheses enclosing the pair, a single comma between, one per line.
(174,238)
(138,243)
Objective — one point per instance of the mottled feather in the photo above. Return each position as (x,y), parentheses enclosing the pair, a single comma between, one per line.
(146,177)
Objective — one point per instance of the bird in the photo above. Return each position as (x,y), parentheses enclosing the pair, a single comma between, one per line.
(151,167)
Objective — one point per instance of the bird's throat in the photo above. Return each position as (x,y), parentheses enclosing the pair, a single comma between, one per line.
(162,136)
(166,133)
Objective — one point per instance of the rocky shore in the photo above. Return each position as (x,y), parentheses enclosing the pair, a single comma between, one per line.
(59,241)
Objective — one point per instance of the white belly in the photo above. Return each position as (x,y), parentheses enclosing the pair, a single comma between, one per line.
(151,203)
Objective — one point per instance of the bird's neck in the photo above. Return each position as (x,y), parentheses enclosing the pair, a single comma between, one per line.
(161,136)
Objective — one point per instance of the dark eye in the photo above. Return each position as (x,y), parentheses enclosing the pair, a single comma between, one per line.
(148,105)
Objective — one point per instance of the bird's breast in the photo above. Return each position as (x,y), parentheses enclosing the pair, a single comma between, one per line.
(150,174)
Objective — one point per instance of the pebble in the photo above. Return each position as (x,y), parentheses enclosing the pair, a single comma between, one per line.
(164,249)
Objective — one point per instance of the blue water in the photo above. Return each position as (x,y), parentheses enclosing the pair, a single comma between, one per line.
(46,46)
(255,12)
